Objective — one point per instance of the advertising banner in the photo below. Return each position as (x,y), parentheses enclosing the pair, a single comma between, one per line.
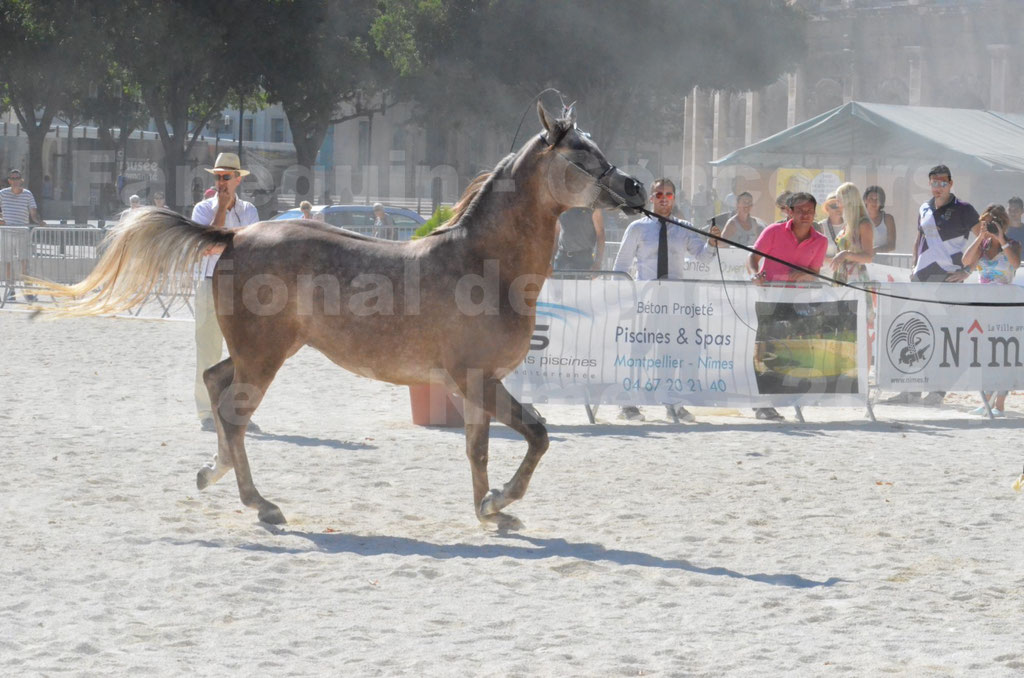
(932,347)
(709,344)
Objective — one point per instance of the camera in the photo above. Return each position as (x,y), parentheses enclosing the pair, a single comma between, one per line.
(992,228)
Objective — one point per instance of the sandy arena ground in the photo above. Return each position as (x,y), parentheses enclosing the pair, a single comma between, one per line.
(726,547)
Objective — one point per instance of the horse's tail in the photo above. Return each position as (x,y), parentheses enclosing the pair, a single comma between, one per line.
(150,246)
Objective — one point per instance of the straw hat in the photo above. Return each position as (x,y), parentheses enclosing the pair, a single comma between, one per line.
(228,162)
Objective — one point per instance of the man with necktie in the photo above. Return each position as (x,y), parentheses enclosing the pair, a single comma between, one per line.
(658,248)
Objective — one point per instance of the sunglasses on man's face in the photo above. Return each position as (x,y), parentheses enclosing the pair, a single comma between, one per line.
(14,178)
(223,177)
(664,194)
(940,184)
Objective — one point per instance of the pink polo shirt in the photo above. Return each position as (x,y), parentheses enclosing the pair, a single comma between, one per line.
(778,240)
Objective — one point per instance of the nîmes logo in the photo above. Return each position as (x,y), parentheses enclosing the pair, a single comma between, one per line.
(911,342)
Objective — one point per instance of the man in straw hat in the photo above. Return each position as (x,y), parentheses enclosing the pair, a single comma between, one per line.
(223,210)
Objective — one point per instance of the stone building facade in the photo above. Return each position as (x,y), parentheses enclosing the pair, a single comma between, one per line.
(948,53)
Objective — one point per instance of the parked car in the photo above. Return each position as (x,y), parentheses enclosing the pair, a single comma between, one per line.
(359,218)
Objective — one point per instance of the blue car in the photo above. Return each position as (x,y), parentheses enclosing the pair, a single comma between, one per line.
(359,218)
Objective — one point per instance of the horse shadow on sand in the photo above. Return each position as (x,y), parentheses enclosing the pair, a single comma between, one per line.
(520,547)
(310,441)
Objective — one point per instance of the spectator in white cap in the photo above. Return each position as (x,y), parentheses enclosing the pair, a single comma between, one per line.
(134,202)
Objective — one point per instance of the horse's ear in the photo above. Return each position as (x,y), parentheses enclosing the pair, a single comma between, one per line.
(569,113)
(545,120)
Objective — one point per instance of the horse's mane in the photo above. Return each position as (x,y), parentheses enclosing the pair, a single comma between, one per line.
(483,182)
(478,187)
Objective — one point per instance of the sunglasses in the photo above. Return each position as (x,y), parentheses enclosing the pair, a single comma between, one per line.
(664,194)
(223,177)
(939,184)
(14,178)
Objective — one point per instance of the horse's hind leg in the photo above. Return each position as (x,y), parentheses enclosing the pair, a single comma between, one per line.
(495,400)
(232,413)
(218,379)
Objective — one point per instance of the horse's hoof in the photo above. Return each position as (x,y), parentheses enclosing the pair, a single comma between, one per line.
(272,515)
(490,505)
(502,521)
(203,478)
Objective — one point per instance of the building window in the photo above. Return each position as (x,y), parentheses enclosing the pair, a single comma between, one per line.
(247,131)
(277,129)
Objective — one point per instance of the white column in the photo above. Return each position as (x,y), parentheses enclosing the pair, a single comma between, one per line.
(915,75)
(999,82)
(795,102)
(751,128)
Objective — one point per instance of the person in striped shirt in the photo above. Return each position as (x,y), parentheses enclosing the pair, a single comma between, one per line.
(17,208)
(17,203)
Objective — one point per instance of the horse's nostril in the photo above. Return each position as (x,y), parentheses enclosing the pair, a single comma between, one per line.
(632,187)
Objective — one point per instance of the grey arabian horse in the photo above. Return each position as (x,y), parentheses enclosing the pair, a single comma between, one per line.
(455,307)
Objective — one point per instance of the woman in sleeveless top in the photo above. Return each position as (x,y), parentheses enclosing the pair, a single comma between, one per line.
(742,227)
(883,224)
(997,257)
(856,241)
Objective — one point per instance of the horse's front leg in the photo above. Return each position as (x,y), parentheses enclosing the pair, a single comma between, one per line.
(478,428)
(511,413)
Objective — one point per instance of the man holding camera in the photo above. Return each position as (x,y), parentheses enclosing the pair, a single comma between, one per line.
(944,226)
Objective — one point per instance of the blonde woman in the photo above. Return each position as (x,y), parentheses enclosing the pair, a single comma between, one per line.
(856,241)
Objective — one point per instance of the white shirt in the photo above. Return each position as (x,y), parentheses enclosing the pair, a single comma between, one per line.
(640,242)
(242,214)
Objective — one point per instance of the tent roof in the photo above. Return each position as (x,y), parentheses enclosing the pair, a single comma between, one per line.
(865,134)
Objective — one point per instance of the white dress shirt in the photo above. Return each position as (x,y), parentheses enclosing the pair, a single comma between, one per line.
(640,243)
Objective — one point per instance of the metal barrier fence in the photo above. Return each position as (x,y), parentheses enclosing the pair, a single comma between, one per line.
(66,255)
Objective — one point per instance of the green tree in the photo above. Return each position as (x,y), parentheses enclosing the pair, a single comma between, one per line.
(330,71)
(46,50)
(628,64)
(187,57)
(115,106)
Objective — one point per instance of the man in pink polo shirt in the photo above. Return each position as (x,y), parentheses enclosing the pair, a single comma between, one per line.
(795,241)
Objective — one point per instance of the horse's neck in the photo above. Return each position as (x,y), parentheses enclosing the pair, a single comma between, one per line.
(515,222)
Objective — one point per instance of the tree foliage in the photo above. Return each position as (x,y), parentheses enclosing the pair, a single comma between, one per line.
(47,54)
(186,57)
(330,71)
(628,64)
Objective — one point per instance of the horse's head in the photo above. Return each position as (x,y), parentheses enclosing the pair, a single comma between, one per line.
(579,175)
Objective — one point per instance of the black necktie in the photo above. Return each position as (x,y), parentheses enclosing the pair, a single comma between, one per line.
(663,251)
